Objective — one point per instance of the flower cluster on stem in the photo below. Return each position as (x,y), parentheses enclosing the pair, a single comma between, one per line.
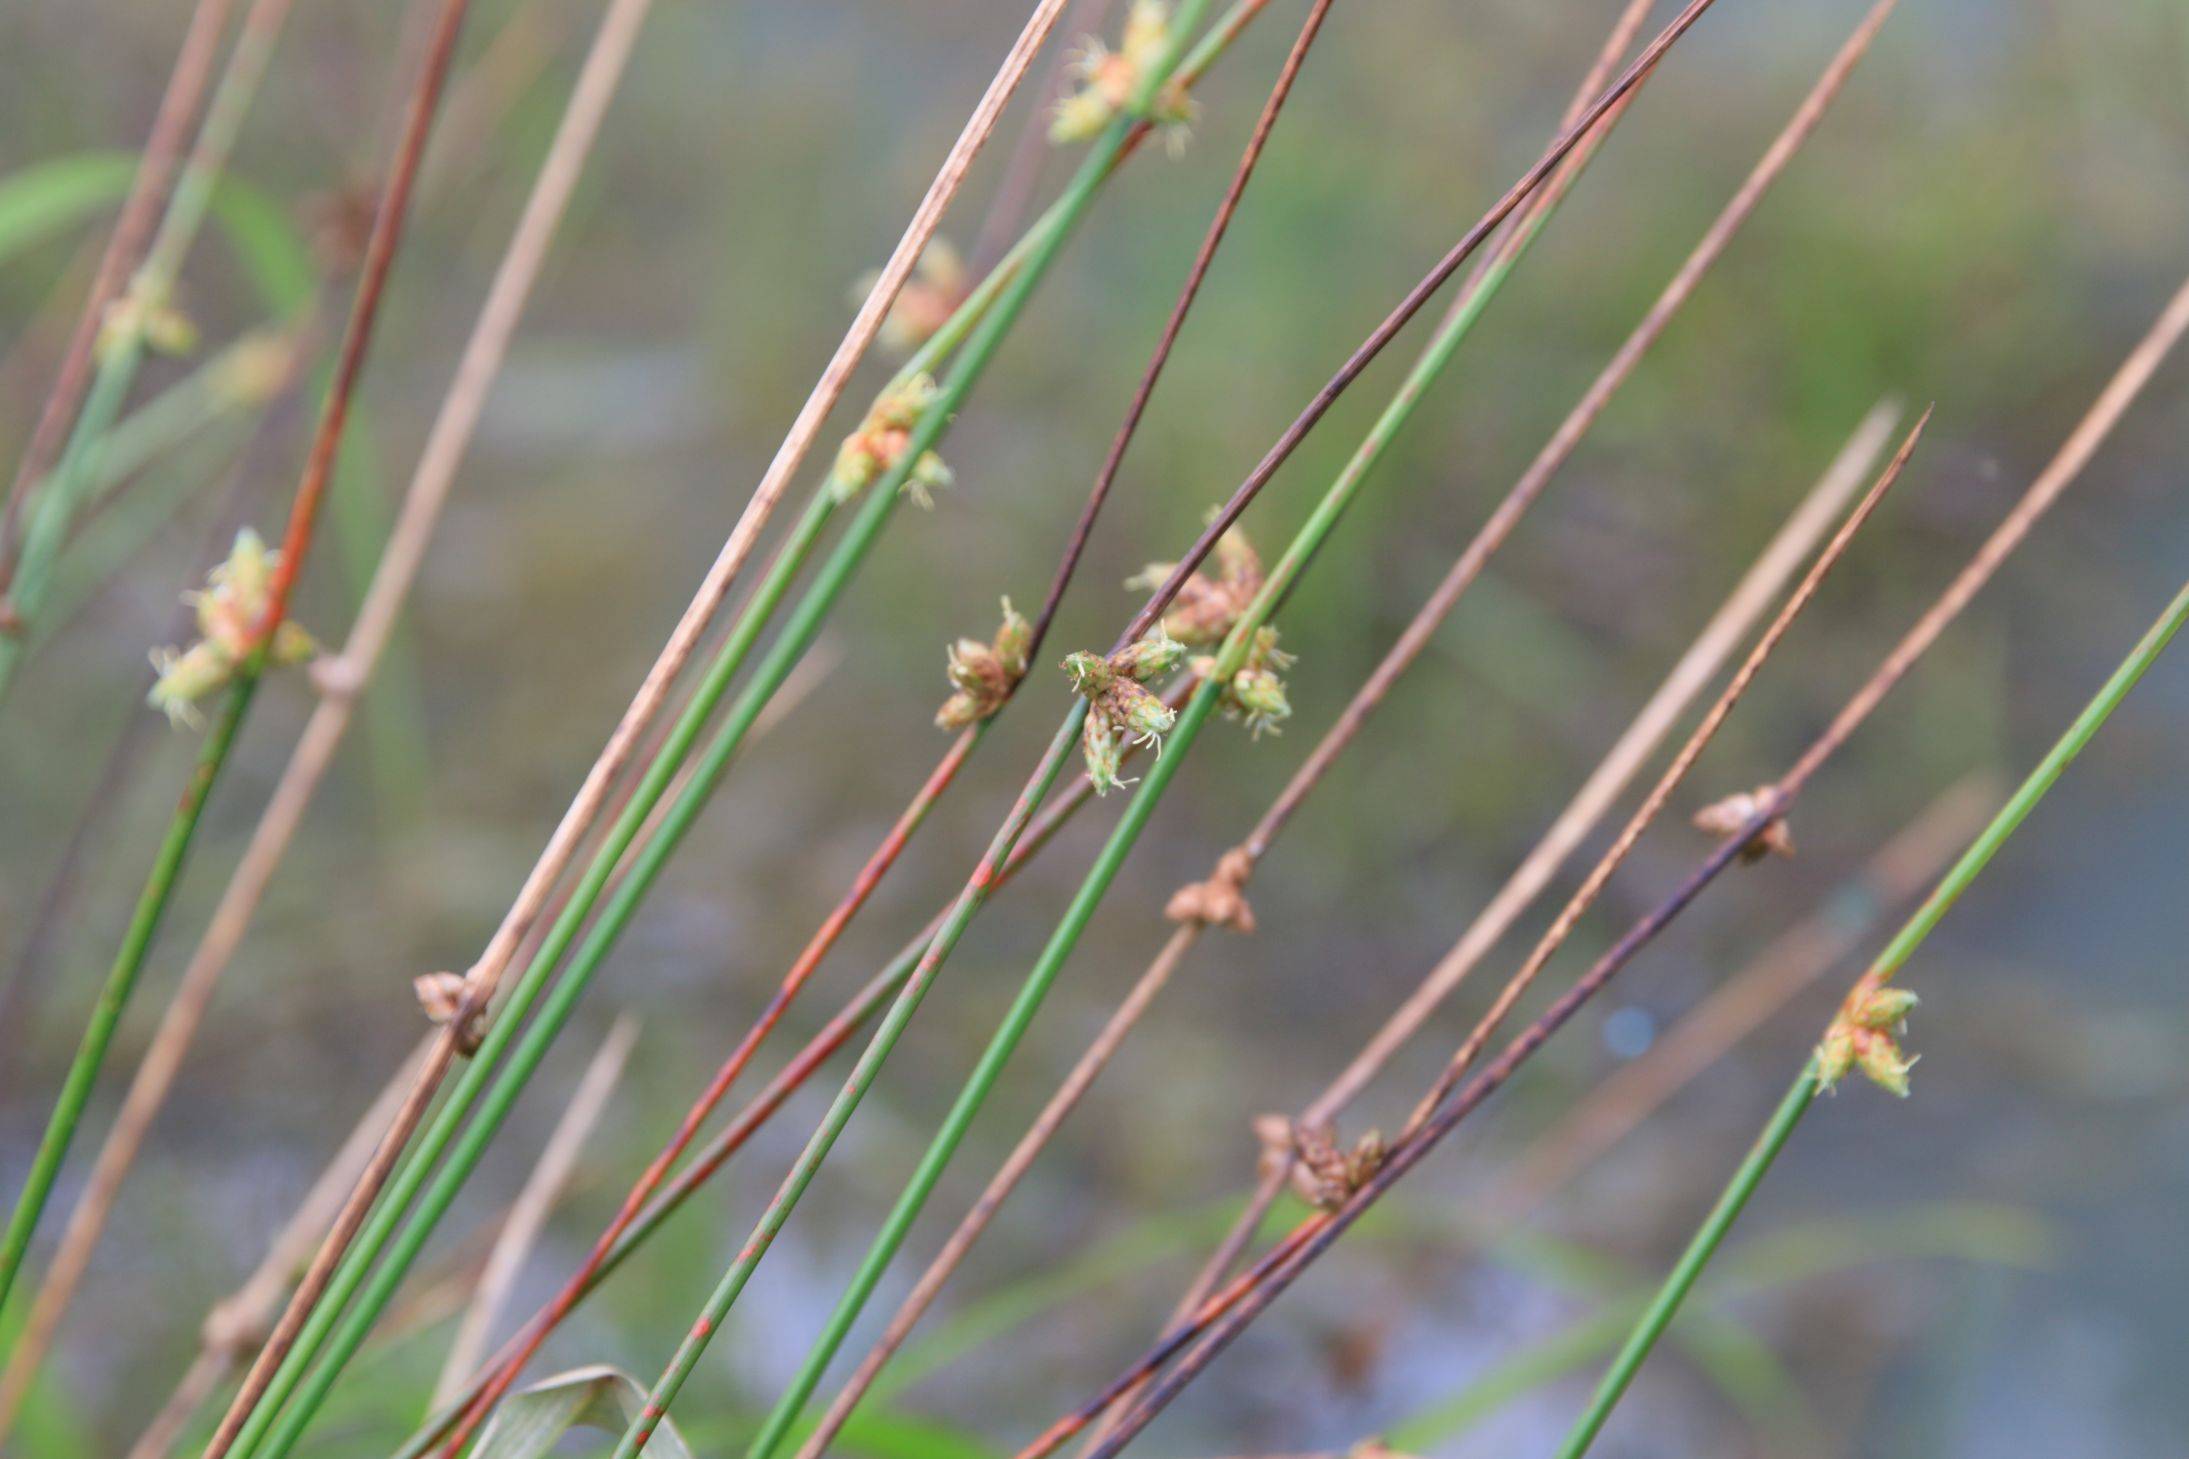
(1724,817)
(145,314)
(1209,604)
(984,674)
(1255,693)
(1864,1035)
(1110,79)
(1322,1172)
(874,449)
(230,610)
(1207,608)
(939,284)
(1122,709)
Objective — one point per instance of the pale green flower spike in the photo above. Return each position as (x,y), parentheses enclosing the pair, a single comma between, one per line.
(1863,1036)
(1256,694)
(1121,709)
(869,452)
(1109,79)
(229,610)
(1207,605)
(984,674)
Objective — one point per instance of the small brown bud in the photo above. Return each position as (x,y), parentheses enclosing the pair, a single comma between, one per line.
(1726,817)
(441,995)
(230,1330)
(1221,900)
(1326,1176)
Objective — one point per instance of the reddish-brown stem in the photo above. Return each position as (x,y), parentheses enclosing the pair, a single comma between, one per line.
(162,155)
(387,232)
(380,248)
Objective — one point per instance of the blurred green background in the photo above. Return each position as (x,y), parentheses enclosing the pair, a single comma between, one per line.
(1989,218)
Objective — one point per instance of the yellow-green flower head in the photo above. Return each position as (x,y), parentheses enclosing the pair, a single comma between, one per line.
(1150,658)
(882,439)
(1139,713)
(1104,752)
(984,674)
(230,609)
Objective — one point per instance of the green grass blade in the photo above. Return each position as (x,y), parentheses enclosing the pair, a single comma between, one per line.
(121,978)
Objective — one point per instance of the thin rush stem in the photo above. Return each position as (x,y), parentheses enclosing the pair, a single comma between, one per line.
(1253,1292)
(1911,936)
(1658,1315)
(407,542)
(303,516)
(796,636)
(121,979)
(1435,356)
(1595,798)
(186,86)
(717,1152)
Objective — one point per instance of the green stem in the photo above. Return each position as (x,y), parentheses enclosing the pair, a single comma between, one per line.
(2025,798)
(152,903)
(1911,936)
(58,500)
(785,1415)
(1666,1305)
